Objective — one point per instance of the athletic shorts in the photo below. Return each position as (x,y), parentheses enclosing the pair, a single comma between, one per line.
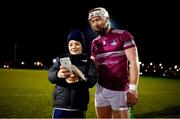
(105,97)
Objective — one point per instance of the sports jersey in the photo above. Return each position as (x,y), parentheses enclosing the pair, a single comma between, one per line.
(110,58)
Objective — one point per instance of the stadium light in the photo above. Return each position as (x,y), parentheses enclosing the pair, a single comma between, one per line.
(22,63)
(151,64)
(54,60)
(175,67)
(160,64)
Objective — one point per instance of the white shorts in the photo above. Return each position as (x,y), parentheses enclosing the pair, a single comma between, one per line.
(116,99)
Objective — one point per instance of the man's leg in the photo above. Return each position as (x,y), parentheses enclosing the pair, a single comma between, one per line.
(120,114)
(103,108)
(104,112)
(118,104)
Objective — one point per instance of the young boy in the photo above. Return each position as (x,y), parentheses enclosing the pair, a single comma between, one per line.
(71,92)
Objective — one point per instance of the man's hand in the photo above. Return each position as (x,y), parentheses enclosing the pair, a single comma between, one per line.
(132,97)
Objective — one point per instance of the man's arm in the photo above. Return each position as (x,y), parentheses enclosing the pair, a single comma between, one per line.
(132,56)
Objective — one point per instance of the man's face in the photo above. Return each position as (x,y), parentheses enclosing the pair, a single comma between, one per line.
(98,23)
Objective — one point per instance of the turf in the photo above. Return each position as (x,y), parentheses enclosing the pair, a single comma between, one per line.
(27,94)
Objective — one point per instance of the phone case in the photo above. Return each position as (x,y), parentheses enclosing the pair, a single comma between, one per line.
(66,63)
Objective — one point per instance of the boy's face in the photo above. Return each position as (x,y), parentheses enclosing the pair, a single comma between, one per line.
(75,47)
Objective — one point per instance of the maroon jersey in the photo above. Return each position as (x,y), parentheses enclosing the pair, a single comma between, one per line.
(111,61)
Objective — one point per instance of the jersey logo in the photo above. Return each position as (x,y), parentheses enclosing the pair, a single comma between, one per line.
(113,43)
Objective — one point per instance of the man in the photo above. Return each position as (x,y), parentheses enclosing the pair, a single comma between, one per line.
(112,51)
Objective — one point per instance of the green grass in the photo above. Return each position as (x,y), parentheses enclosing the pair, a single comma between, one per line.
(158,98)
(27,94)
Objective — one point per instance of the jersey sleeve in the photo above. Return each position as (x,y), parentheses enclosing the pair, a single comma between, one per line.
(128,40)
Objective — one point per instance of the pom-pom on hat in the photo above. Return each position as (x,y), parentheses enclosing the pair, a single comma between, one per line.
(76,35)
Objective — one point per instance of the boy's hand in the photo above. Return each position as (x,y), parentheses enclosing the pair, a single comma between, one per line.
(63,72)
(72,79)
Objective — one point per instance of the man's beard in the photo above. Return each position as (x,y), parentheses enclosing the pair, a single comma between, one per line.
(102,31)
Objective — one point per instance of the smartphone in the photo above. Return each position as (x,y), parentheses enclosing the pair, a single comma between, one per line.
(66,62)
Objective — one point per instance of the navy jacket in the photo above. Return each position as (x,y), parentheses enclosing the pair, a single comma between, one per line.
(76,95)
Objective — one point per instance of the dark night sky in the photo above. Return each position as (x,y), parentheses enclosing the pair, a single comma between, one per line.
(39,29)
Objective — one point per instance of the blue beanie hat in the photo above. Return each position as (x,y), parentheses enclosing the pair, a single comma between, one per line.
(77,36)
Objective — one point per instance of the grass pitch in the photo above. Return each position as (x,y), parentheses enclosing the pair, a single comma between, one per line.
(27,94)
